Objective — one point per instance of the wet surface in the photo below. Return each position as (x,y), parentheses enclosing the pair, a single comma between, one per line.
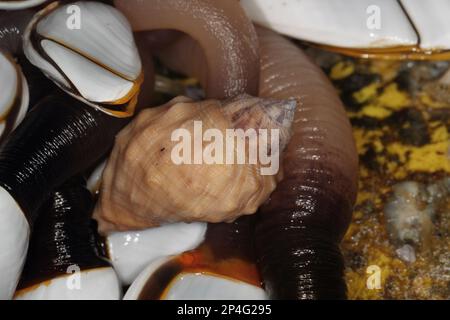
(400,112)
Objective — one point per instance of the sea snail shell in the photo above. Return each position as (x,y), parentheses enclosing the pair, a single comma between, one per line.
(92,57)
(143,186)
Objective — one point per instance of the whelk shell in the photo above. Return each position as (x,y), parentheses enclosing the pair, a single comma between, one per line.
(143,187)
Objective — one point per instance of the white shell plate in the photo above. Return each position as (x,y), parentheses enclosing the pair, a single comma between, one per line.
(95,284)
(190,286)
(431,18)
(92,81)
(104,35)
(357,23)
(130,252)
(98,55)
(14,236)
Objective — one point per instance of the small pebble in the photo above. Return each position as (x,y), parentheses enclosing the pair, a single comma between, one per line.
(406,253)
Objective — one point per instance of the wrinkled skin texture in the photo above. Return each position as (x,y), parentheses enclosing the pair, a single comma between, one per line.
(143,186)
(299,230)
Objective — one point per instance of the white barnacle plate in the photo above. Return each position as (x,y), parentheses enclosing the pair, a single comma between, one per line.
(194,286)
(95,60)
(93,284)
(430,19)
(393,28)
(131,251)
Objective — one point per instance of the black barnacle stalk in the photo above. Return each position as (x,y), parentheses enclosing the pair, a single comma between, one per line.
(58,138)
(62,242)
(12,27)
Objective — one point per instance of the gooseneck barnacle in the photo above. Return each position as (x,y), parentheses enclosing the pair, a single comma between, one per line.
(58,138)
(15,99)
(63,242)
(83,62)
(61,136)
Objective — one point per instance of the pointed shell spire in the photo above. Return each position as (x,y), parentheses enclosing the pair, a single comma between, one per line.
(245,112)
(88,49)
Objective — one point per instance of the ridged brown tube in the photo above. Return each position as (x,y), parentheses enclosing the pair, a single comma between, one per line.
(299,230)
(222,29)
